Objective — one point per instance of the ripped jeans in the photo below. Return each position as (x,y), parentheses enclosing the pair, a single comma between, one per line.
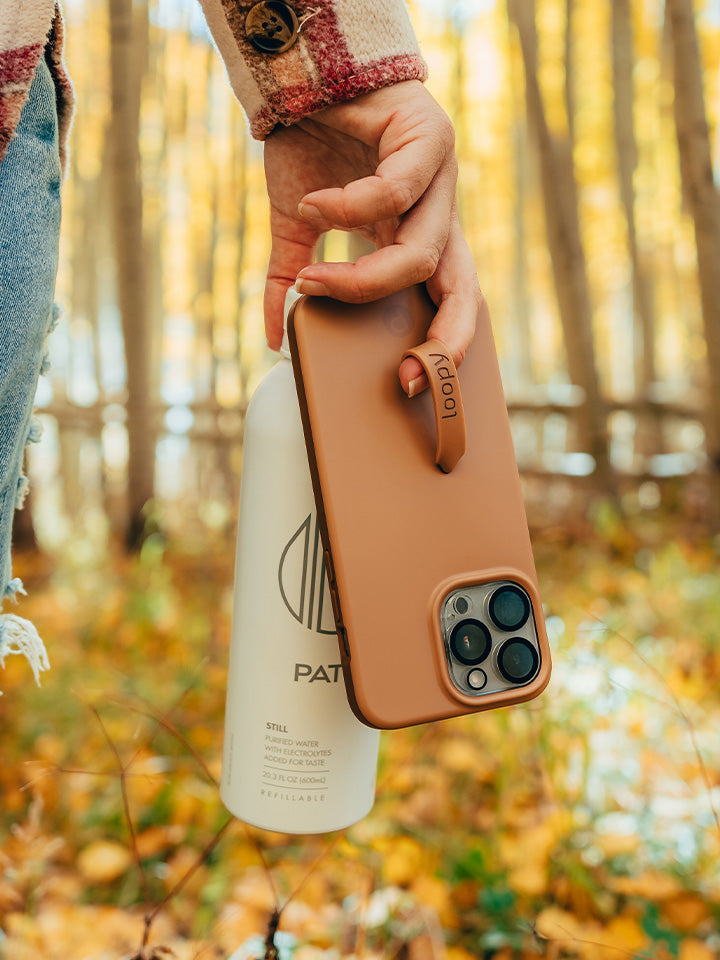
(29,238)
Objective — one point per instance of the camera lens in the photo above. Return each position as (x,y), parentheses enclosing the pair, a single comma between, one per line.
(470,642)
(461,605)
(509,608)
(518,660)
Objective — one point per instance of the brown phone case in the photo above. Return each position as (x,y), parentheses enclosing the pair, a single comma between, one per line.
(410,504)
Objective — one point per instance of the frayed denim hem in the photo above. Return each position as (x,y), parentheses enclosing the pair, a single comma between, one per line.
(20,636)
(17,635)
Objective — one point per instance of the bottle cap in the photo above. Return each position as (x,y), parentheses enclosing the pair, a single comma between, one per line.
(290,298)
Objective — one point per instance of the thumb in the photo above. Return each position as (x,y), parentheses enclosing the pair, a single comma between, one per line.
(292,249)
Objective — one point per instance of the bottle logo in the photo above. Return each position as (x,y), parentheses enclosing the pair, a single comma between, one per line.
(302,578)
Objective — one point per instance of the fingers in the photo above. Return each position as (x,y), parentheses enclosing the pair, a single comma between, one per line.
(292,249)
(412,257)
(454,288)
(408,206)
(399,181)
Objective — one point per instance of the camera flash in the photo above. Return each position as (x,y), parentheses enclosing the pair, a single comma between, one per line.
(477,679)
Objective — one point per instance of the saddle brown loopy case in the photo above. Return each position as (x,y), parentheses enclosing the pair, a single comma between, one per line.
(420,507)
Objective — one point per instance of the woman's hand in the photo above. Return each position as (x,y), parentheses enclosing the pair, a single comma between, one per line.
(383,165)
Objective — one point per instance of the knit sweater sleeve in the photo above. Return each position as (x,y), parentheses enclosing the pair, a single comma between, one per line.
(28,30)
(337,49)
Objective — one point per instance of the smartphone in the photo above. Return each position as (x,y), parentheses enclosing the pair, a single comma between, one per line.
(431,573)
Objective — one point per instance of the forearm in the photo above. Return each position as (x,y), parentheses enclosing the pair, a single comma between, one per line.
(327,51)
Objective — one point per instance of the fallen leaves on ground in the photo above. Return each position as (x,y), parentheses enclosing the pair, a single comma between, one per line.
(583,825)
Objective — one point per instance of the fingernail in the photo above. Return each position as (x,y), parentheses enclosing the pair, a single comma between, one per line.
(312,288)
(309,212)
(415,386)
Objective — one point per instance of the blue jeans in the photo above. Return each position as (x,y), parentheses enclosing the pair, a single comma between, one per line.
(29,238)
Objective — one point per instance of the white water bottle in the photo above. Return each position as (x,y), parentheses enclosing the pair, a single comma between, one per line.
(295,758)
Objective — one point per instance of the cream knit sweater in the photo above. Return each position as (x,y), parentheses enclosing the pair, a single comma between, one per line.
(339,49)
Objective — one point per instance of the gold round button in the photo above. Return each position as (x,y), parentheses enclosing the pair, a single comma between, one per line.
(271,26)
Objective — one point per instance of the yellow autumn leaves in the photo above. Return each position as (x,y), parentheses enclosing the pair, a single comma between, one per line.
(577,828)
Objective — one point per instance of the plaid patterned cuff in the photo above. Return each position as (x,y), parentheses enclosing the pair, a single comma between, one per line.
(331,50)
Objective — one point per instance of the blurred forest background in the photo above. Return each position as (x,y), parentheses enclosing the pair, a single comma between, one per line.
(586,192)
(584,825)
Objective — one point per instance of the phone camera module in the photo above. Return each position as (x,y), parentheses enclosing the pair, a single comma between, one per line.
(470,642)
(461,605)
(518,660)
(509,607)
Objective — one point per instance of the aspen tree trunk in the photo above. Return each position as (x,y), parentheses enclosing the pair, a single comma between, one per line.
(127,201)
(520,301)
(626,151)
(208,451)
(106,284)
(570,95)
(522,348)
(454,23)
(205,238)
(702,197)
(88,289)
(82,265)
(91,200)
(154,67)
(565,246)
(240,193)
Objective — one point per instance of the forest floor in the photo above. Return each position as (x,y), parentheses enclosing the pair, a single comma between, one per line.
(584,824)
